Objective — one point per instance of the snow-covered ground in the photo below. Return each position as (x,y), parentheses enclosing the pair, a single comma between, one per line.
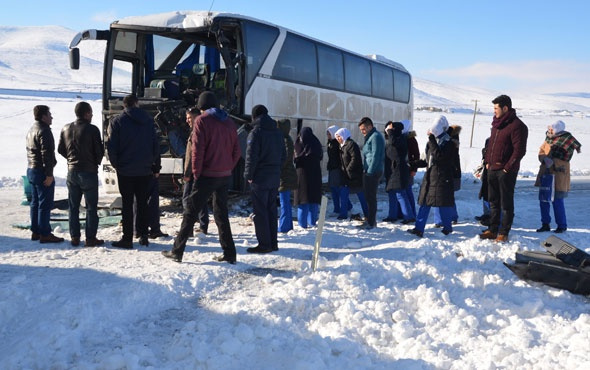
(380,299)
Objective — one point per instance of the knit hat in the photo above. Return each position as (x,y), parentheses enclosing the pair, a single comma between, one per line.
(407,125)
(258,111)
(343,133)
(332,130)
(207,100)
(439,126)
(558,126)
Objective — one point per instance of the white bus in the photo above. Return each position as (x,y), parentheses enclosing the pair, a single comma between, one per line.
(168,59)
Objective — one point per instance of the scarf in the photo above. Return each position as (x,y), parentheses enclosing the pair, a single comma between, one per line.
(563,145)
(505,119)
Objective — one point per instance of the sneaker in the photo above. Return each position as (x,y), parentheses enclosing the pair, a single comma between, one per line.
(416,232)
(560,230)
(258,250)
(488,235)
(173,256)
(501,238)
(222,258)
(143,240)
(35,236)
(75,241)
(544,227)
(50,239)
(93,242)
(125,244)
(157,234)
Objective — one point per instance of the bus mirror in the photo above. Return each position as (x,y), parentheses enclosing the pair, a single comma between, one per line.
(74,58)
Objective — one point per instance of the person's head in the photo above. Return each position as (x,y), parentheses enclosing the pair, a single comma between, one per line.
(439,126)
(502,104)
(191,114)
(556,127)
(130,101)
(83,110)
(331,132)
(42,114)
(207,100)
(257,111)
(342,135)
(365,125)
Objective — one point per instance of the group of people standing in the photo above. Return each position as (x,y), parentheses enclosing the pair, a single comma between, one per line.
(275,166)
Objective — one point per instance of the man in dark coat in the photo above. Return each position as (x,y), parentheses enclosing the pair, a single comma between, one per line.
(81,145)
(437,188)
(265,154)
(506,148)
(288,179)
(133,148)
(352,172)
(215,152)
(40,164)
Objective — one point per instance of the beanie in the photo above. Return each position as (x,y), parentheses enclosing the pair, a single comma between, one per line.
(558,126)
(258,111)
(207,100)
(439,126)
(343,133)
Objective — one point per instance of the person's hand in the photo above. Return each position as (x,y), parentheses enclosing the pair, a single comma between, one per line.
(48,181)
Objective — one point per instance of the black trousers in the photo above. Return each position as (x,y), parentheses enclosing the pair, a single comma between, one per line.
(370,184)
(501,197)
(203,188)
(264,202)
(136,187)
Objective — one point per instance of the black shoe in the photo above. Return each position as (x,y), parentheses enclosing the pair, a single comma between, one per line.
(438,226)
(143,240)
(341,218)
(258,250)
(410,221)
(416,232)
(222,258)
(75,241)
(544,227)
(174,257)
(157,234)
(125,244)
(275,248)
(559,230)
(446,232)
(93,242)
(35,236)
(389,219)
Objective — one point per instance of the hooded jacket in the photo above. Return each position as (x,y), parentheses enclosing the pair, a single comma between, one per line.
(41,148)
(132,145)
(265,153)
(80,144)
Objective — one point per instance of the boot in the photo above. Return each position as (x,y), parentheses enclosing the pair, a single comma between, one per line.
(544,227)
(50,239)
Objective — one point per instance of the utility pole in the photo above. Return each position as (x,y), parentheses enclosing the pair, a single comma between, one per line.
(473,124)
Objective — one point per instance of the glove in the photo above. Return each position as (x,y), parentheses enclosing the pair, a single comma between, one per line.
(548,162)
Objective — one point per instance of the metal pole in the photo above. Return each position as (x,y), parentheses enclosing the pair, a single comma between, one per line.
(473,124)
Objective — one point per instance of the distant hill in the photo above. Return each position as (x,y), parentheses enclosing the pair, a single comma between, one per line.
(36,58)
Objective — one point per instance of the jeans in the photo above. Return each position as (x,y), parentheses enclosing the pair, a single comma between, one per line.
(286,215)
(344,197)
(41,201)
(307,214)
(445,213)
(83,183)
(398,201)
(203,188)
(136,187)
(438,217)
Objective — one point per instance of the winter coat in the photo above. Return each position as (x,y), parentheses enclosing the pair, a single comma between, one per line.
(132,144)
(334,163)
(373,152)
(41,148)
(288,172)
(215,150)
(507,143)
(413,151)
(454,132)
(308,155)
(437,188)
(265,153)
(80,144)
(352,166)
(396,150)
(483,191)
(560,167)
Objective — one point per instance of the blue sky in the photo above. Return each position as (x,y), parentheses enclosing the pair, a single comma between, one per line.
(518,45)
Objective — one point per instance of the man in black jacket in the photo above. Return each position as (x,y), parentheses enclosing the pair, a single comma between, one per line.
(265,154)
(80,144)
(41,161)
(133,149)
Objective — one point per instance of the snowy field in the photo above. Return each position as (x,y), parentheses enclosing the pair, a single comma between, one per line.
(381,299)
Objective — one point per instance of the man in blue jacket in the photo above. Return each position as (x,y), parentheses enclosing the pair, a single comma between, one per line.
(373,162)
(265,154)
(133,149)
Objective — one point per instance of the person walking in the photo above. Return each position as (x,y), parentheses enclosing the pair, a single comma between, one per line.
(81,145)
(40,163)
(506,148)
(265,154)
(215,152)
(288,181)
(555,154)
(133,148)
(352,172)
(308,155)
(373,162)
(437,189)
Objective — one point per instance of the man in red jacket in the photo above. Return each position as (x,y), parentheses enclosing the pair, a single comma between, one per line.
(215,152)
(506,147)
